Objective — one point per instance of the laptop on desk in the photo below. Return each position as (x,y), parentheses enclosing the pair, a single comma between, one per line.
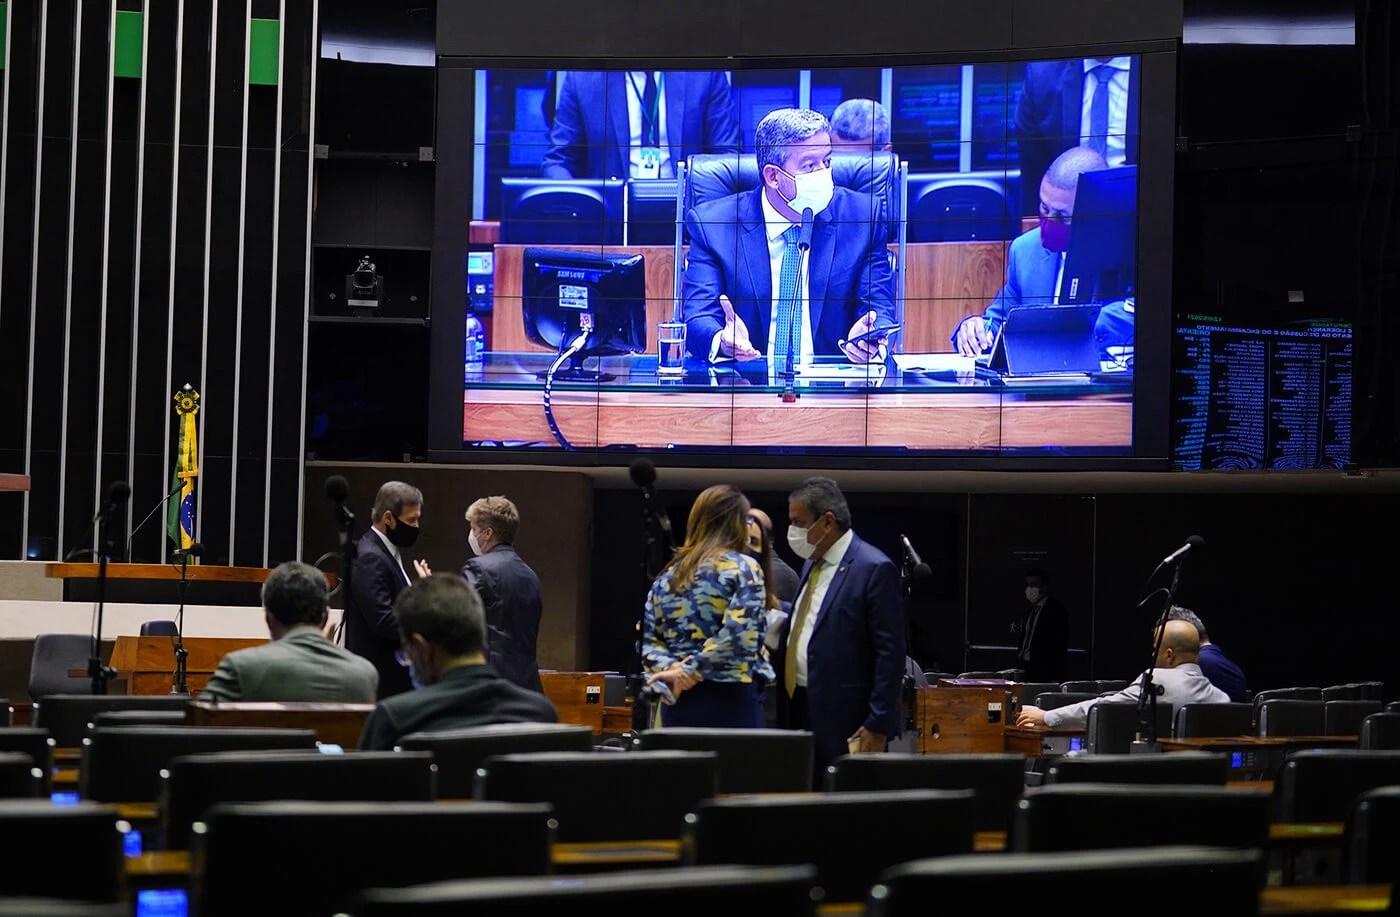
(1050,343)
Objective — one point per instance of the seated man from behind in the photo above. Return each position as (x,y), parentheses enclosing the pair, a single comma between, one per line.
(300,664)
(442,631)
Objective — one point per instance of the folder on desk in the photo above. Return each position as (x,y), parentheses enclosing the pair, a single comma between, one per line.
(1046,343)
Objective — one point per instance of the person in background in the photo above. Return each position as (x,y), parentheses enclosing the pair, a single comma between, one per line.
(1176,671)
(781,579)
(1044,651)
(860,126)
(1222,672)
(1036,258)
(842,652)
(638,124)
(442,632)
(705,621)
(379,575)
(300,664)
(509,590)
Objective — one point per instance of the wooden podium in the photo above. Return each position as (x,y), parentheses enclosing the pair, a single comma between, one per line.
(147,664)
(577,696)
(964,716)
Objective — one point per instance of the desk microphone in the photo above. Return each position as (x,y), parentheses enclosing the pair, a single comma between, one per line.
(804,235)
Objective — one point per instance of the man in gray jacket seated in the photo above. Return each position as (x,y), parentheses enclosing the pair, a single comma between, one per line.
(1175,671)
(299,664)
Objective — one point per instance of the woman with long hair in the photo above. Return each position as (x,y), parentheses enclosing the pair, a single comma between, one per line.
(705,621)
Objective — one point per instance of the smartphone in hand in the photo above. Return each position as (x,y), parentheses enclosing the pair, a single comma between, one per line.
(875,335)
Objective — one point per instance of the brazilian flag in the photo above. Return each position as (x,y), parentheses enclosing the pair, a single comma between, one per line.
(179,517)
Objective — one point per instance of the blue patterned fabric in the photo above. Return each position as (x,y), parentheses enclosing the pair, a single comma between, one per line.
(719,620)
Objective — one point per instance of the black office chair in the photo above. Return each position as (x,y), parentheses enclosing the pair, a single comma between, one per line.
(192,784)
(173,717)
(1112,727)
(1080,686)
(996,778)
(1348,691)
(54,656)
(26,906)
(342,848)
(1289,717)
(639,795)
(1102,883)
(685,891)
(35,743)
(1109,815)
(749,760)
(850,837)
(1109,685)
(162,628)
(1372,690)
(1343,717)
(1380,731)
(459,752)
(1188,767)
(7,713)
(123,763)
(66,716)
(20,778)
(1371,837)
(1201,720)
(964,210)
(1030,690)
(1321,784)
(1289,693)
(71,852)
(1050,700)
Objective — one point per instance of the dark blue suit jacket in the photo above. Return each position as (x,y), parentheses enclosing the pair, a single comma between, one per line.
(1048,117)
(510,592)
(856,657)
(848,270)
(590,134)
(371,627)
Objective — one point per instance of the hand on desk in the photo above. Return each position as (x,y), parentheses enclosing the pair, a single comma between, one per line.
(972,337)
(869,350)
(734,336)
(1031,716)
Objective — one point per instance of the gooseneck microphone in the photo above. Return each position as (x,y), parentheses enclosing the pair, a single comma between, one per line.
(1195,542)
(643,473)
(804,235)
(337,491)
(336,488)
(910,552)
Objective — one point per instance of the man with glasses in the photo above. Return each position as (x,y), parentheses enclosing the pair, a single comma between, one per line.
(442,630)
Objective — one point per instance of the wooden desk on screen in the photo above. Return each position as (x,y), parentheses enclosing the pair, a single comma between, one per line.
(335,724)
(148,663)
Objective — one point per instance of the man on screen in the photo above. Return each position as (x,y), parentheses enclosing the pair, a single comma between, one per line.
(1036,259)
(638,124)
(745,293)
(860,126)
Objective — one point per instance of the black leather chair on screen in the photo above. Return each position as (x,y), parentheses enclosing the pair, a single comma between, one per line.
(637,795)
(685,891)
(996,778)
(459,752)
(1182,767)
(123,763)
(341,848)
(1098,883)
(850,837)
(72,852)
(749,760)
(191,784)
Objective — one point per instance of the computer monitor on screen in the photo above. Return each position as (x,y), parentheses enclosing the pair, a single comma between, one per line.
(586,304)
(651,211)
(562,211)
(1101,264)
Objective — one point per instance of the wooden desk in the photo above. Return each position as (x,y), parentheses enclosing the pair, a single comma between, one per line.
(148,663)
(335,724)
(965,719)
(1258,756)
(1298,900)
(577,696)
(14,482)
(1037,742)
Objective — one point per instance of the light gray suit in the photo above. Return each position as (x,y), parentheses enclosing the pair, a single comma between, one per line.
(1182,684)
(302,666)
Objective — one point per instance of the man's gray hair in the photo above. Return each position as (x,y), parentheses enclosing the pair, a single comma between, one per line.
(821,496)
(1064,172)
(393,496)
(781,130)
(862,119)
(1178,613)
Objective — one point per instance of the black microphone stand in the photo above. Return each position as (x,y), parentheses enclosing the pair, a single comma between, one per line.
(345,526)
(656,550)
(181,685)
(1145,742)
(101,674)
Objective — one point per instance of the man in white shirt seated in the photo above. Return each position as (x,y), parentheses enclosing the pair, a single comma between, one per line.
(1175,671)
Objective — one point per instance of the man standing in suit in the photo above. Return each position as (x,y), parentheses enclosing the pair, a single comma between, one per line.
(300,664)
(509,590)
(747,293)
(1044,650)
(841,654)
(379,575)
(1091,101)
(1036,259)
(638,124)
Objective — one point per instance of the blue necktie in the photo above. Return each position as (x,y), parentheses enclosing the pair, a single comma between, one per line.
(1098,110)
(789,343)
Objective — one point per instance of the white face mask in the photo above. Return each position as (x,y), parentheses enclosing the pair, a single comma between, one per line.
(797,540)
(1032,594)
(813,189)
(473,543)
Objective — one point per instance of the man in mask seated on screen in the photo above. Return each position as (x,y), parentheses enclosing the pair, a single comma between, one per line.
(746,293)
(1036,260)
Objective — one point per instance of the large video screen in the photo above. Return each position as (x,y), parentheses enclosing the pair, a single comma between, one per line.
(911,261)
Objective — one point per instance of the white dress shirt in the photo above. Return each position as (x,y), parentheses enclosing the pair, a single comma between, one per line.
(393,552)
(818,581)
(636,86)
(1117,106)
(1182,684)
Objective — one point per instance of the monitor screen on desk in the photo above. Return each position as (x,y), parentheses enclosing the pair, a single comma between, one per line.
(584,303)
(963,134)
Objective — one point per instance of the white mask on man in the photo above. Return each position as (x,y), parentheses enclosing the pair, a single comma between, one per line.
(473,543)
(813,189)
(1032,594)
(797,540)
